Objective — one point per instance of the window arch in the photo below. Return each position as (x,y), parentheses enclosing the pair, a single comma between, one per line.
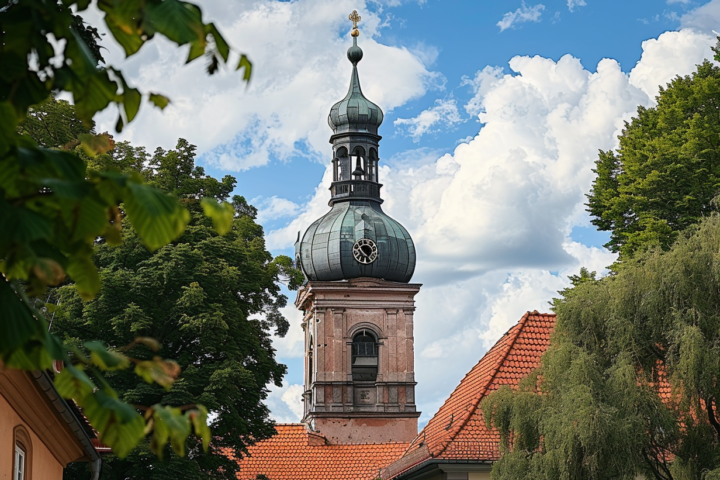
(364,356)
(22,453)
(342,162)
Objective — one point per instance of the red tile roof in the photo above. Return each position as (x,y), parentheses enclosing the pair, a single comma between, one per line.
(296,454)
(458,431)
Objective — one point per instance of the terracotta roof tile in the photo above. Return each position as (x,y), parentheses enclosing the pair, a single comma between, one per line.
(296,454)
(458,431)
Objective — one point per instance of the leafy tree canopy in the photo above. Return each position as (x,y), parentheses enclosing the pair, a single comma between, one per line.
(53,208)
(666,171)
(212,301)
(619,343)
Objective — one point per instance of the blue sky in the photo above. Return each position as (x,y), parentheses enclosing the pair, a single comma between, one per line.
(495,112)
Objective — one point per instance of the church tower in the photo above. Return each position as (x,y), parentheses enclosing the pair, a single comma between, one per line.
(358,303)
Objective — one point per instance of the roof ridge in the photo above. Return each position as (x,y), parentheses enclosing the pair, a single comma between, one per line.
(477,398)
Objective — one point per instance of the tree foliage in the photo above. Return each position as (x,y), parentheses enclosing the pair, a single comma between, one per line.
(629,385)
(53,208)
(666,171)
(212,301)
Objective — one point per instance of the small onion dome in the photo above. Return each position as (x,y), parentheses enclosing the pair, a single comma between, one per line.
(355,113)
(356,239)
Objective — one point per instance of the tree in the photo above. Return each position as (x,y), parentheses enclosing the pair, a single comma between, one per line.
(53,209)
(54,124)
(212,301)
(629,385)
(666,171)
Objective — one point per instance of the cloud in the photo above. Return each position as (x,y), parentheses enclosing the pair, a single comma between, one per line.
(299,71)
(481,84)
(443,114)
(285,403)
(273,208)
(571,4)
(665,57)
(521,15)
(492,219)
(704,18)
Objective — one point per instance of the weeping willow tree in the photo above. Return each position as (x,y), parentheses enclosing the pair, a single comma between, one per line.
(629,385)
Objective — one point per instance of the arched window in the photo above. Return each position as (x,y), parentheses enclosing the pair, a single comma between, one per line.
(360,168)
(364,356)
(22,455)
(343,164)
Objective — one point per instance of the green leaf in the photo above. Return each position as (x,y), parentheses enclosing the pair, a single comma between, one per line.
(245,63)
(222,47)
(18,324)
(126,36)
(94,95)
(160,101)
(181,22)
(73,383)
(131,102)
(162,372)
(156,216)
(106,359)
(95,144)
(83,271)
(7,127)
(86,220)
(176,424)
(221,214)
(199,421)
(197,48)
(23,225)
(119,425)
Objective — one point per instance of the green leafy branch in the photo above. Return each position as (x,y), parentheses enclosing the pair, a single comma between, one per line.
(53,210)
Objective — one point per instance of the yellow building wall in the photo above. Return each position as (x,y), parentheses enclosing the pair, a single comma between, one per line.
(479,476)
(44,464)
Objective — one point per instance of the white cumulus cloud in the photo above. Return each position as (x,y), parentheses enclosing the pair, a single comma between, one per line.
(443,114)
(705,18)
(521,15)
(299,70)
(571,4)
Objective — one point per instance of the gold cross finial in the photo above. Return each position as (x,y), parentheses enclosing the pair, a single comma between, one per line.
(355,18)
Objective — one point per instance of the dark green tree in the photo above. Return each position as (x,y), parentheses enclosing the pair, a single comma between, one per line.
(630,384)
(54,124)
(212,301)
(666,171)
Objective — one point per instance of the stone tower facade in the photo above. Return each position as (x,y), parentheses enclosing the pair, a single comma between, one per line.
(359,362)
(358,304)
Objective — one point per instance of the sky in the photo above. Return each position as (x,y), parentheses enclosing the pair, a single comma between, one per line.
(494,116)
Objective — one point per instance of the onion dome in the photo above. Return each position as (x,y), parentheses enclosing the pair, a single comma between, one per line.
(356,240)
(355,112)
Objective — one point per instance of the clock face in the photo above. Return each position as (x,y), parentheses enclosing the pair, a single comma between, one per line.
(365,251)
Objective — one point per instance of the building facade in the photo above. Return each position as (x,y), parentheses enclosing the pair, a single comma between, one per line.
(40,433)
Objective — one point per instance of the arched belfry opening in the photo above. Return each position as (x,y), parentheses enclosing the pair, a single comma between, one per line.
(364,356)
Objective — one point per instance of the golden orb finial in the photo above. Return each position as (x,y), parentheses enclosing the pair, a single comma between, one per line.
(355,18)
